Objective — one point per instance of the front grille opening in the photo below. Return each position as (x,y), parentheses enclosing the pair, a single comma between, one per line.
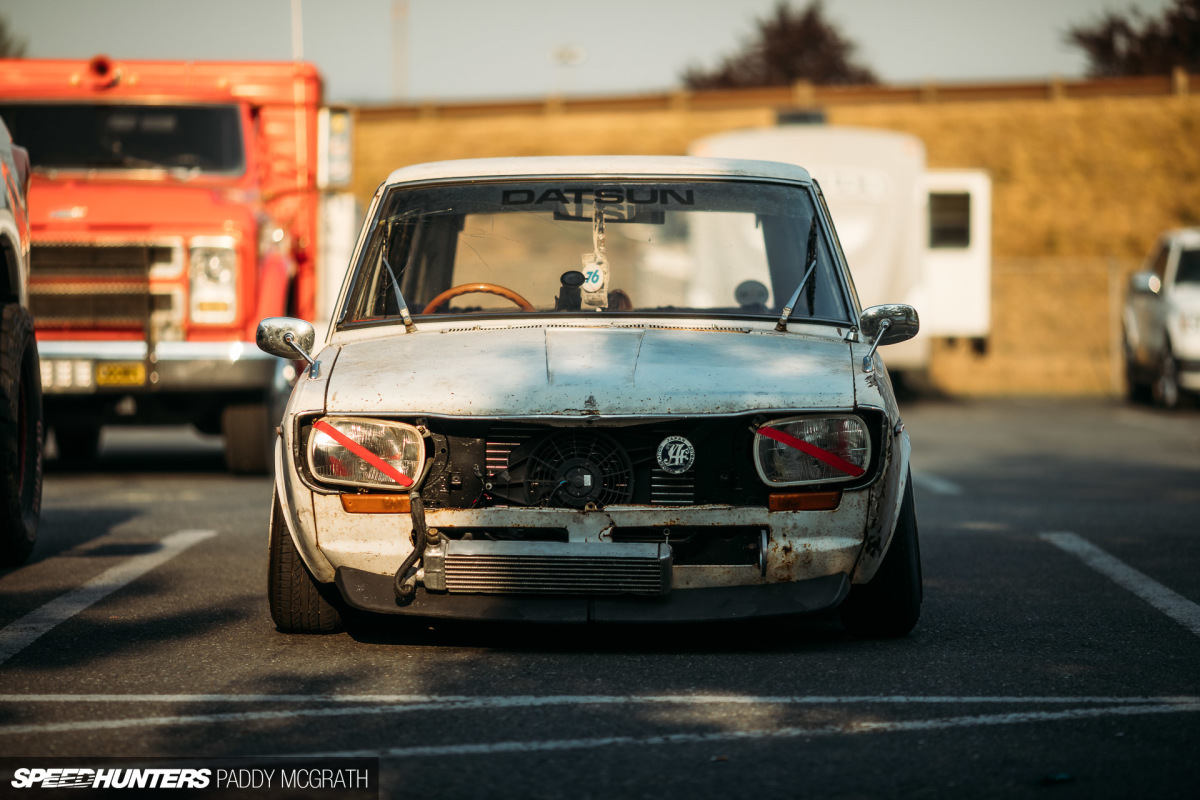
(696,546)
(506,534)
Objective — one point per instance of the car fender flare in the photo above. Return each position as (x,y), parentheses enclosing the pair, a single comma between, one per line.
(296,505)
(890,501)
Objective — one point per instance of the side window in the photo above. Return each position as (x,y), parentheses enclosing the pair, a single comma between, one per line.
(949,220)
(1158,262)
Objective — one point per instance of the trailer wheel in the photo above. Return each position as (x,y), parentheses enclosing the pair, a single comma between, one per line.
(22,434)
(247,439)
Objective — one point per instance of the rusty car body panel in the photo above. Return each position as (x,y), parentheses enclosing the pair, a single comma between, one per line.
(490,393)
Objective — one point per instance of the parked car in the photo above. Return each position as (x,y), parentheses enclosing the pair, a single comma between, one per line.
(1162,321)
(21,428)
(612,389)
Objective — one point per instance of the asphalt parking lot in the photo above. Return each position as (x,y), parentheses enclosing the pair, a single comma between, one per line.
(1058,651)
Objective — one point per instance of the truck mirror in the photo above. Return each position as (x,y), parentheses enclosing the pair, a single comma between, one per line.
(902,323)
(286,337)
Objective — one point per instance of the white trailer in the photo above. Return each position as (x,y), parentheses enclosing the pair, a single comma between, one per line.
(911,235)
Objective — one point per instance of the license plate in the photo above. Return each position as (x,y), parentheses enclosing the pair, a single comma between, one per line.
(131,374)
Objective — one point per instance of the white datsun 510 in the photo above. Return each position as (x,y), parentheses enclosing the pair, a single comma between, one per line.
(612,389)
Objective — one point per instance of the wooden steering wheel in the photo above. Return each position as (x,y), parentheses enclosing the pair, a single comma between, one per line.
(468,288)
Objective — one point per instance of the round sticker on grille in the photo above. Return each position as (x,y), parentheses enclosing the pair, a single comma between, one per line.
(676,455)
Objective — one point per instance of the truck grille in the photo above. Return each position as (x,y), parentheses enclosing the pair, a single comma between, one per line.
(98,285)
(475,567)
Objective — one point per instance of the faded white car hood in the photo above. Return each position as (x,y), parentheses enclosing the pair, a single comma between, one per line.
(576,371)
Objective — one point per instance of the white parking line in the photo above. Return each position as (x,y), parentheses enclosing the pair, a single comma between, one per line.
(936,485)
(18,635)
(943,723)
(403,704)
(511,701)
(1174,605)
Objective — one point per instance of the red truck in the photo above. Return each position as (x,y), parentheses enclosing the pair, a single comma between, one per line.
(175,205)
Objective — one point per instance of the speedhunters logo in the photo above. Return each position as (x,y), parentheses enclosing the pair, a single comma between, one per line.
(226,777)
(72,778)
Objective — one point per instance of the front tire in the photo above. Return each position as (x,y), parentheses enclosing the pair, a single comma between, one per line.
(299,604)
(889,605)
(1167,393)
(1136,389)
(22,434)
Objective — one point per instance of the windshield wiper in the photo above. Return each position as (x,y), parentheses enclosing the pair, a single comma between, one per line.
(810,259)
(409,325)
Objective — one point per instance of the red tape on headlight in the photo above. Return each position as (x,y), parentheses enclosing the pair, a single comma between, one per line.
(363,453)
(840,464)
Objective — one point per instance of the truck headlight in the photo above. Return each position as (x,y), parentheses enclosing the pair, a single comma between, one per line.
(214,274)
(799,450)
(365,452)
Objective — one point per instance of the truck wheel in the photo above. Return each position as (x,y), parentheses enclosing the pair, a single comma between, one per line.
(299,604)
(77,444)
(247,439)
(22,433)
(889,605)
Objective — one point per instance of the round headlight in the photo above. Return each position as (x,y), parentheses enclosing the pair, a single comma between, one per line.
(212,265)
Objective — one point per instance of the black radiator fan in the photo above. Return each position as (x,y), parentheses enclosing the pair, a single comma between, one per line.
(567,469)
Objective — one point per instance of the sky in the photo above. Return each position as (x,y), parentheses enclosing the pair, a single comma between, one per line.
(454,50)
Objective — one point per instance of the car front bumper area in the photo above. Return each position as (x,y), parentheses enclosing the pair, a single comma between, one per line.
(803,564)
(125,367)
(367,591)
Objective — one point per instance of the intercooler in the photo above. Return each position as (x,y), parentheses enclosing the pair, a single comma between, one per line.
(591,568)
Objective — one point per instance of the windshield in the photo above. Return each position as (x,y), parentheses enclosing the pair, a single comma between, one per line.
(1188,270)
(204,138)
(582,246)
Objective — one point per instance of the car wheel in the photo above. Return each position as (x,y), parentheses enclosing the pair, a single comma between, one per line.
(22,432)
(299,604)
(1137,390)
(1166,385)
(247,439)
(889,605)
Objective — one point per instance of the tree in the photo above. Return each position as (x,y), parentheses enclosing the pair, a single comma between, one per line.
(790,45)
(11,45)
(1133,44)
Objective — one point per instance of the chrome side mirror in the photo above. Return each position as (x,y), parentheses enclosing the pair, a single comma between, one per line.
(902,323)
(1144,283)
(887,324)
(288,338)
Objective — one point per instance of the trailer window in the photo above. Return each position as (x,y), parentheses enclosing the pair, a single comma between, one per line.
(949,220)
(202,138)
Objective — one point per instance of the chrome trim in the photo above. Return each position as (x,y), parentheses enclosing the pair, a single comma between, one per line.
(172,366)
(126,350)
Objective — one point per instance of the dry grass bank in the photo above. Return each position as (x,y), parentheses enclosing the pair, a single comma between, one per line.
(1080,189)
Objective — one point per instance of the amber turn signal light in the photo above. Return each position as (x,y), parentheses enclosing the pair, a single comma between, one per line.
(376,504)
(804,501)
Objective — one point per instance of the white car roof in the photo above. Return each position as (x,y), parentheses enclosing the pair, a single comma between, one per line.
(601,166)
(1187,237)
